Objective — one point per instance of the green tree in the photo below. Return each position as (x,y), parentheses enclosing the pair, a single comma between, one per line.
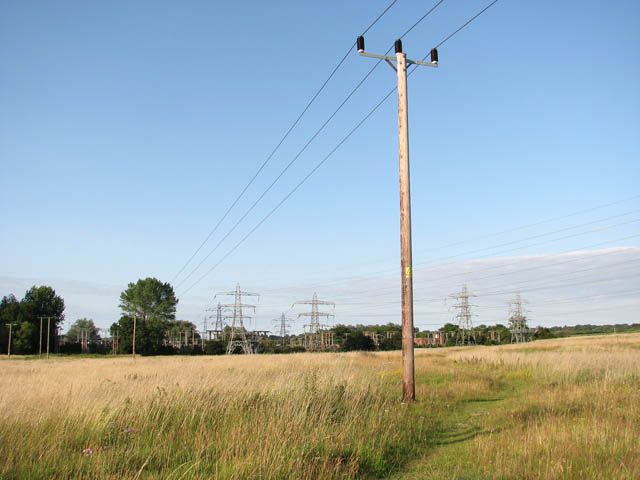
(451,331)
(9,313)
(342,332)
(38,302)
(215,347)
(393,343)
(358,341)
(542,333)
(153,305)
(22,338)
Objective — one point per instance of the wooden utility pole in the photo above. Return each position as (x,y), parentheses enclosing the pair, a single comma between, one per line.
(40,347)
(114,341)
(133,346)
(408,375)
(9,346)
(408,372)
(48,334)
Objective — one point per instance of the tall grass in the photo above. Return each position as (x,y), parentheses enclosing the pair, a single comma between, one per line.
(551,409)
(295,416)
(565,409)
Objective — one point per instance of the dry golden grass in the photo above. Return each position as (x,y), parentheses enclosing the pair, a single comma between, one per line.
(293,416)
(565,408)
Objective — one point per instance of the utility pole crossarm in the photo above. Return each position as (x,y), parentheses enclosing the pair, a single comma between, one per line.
(433,63)
(393,59)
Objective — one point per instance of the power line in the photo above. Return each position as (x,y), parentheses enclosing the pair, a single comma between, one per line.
(366,76)
(282,172)
(513,272)
(313,137)
(420,20)
(444,285)
(636,305)
(503,251)
(445,40)
(235,247)
(373,274)
(535,224)
(359,313)
(467,240)
(284,137)
(561,285)
(588,297)
(453,244)
(509,284)
(535,288)
(630,263)
(467,23)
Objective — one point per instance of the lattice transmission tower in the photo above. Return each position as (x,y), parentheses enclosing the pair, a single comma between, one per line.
(283,324)
(520,333)
(238,335)
(465,335)
(218,331)
(314,324)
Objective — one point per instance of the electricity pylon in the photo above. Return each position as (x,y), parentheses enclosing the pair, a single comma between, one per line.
(238,337)
(218,331)
(314,324)
(284,324)
(465,335)
(518,321)
(219,321)
(204,324)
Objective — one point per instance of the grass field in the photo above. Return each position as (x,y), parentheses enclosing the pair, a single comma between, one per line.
(565,408)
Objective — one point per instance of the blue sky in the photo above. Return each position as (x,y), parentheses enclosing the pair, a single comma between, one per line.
(128,128)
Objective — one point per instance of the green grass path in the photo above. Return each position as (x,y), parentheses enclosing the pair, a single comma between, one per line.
(466,417)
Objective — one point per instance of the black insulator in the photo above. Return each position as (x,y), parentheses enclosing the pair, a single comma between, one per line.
(434,55)
(398,46)
(360,43)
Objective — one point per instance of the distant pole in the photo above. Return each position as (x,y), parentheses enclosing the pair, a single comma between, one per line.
(40,347)
(48,334)
(133,347)
(9,346)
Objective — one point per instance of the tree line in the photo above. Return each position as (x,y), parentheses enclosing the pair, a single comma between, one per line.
(24,317)
(150,305)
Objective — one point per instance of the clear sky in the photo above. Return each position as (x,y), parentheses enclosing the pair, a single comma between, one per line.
(128,128)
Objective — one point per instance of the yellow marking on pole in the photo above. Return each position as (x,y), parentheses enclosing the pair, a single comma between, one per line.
(407,272)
